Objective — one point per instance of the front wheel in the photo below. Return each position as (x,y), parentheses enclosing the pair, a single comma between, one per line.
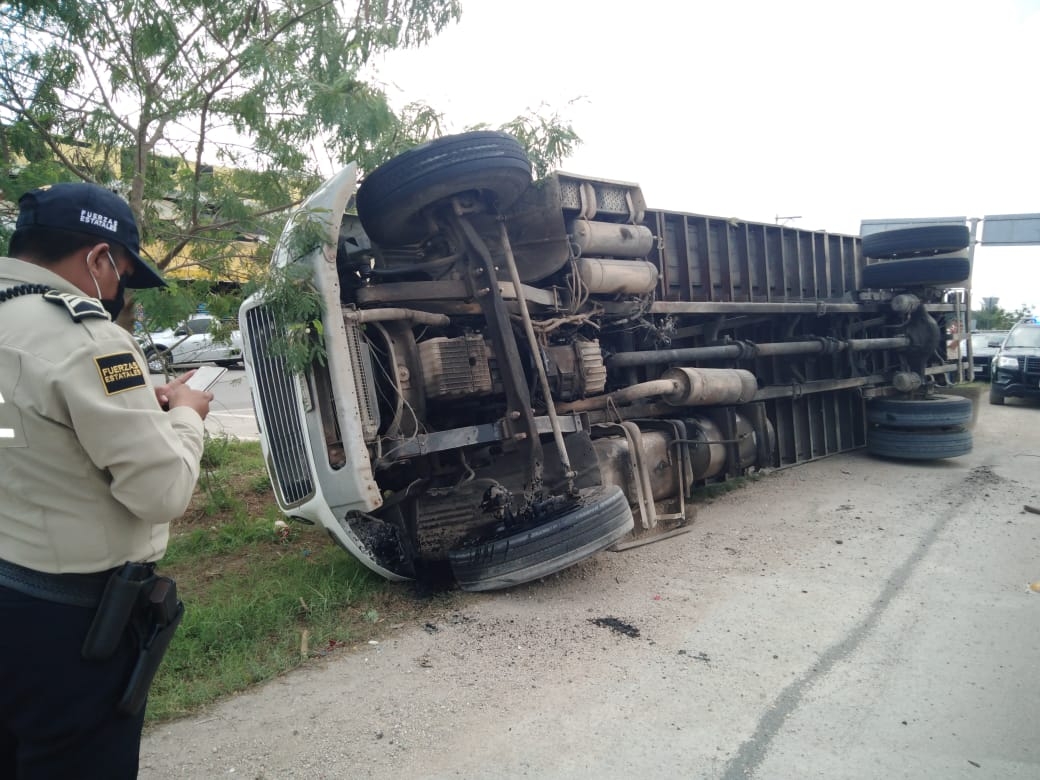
(996,398)
(601,517)
(391,199)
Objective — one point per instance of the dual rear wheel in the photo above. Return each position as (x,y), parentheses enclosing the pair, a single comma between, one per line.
(929,428)
(927,256)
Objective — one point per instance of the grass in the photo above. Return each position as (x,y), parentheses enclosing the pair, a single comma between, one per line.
(261,597)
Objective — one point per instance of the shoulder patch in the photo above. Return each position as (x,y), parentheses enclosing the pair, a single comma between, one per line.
(79,307)
(119,371)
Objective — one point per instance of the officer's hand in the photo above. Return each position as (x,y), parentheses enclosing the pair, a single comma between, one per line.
(162,392)
(177,393)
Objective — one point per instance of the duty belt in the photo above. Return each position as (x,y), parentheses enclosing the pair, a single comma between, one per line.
(78,590)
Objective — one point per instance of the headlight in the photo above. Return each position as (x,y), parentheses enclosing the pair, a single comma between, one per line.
(1004,361)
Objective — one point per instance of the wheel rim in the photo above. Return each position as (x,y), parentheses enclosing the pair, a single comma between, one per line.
(157,362)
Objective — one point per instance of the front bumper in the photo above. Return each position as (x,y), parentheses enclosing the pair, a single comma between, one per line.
(1014,384)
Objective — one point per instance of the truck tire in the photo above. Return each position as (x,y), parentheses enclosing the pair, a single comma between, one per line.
(996,398)
(391,198)
(916,272)
(601,518)
(929,444)
(937,411)
(916,241)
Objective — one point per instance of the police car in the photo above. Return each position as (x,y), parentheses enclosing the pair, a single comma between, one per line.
(984,345)
(1016,365)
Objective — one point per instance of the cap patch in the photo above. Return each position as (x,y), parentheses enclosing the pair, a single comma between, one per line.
(99,220)
(119,372)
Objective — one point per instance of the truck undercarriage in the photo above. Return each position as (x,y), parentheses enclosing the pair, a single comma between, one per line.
(519,375)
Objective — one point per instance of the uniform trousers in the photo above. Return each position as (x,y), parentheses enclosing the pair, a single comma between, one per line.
(58,718)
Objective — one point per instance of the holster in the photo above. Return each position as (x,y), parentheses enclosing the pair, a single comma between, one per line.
(122,593)
(135,599)
(164,613)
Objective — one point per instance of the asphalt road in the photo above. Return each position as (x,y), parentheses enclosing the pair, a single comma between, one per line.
(231,412)
(850,618)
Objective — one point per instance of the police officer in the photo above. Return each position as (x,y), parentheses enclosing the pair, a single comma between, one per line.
(94,464)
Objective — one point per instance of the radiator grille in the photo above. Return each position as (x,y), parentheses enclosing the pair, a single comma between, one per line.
(277,396)
(1031,365)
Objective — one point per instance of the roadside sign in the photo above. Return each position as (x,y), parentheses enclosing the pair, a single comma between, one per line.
(1011,230)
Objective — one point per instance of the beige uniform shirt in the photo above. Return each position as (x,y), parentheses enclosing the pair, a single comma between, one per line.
(92,470)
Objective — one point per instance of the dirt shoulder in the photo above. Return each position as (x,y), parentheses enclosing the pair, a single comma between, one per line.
(793,601)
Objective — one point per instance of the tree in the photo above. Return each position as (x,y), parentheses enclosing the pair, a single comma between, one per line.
(210,116)
(212,119)
(992,317)
(201,113)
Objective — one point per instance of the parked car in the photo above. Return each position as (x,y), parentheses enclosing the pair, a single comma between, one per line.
(1016,366)
(984,345)
(190,343)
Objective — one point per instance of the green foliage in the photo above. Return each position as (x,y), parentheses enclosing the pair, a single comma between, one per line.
(202,113)
(217,451)
(992,317)
(547,139)
(227,465)
(221,456)
(251,588)
(292,299)
(246,625)
(234,532)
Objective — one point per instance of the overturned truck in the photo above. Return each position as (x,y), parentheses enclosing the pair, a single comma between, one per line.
(519,374)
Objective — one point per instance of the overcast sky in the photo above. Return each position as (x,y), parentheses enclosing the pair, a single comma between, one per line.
(830,112)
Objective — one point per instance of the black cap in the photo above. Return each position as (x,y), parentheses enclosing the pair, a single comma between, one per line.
(92,209)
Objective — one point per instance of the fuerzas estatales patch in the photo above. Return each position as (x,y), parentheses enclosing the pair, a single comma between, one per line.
(119,372)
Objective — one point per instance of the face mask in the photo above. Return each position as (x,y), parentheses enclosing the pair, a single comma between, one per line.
(112,305)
